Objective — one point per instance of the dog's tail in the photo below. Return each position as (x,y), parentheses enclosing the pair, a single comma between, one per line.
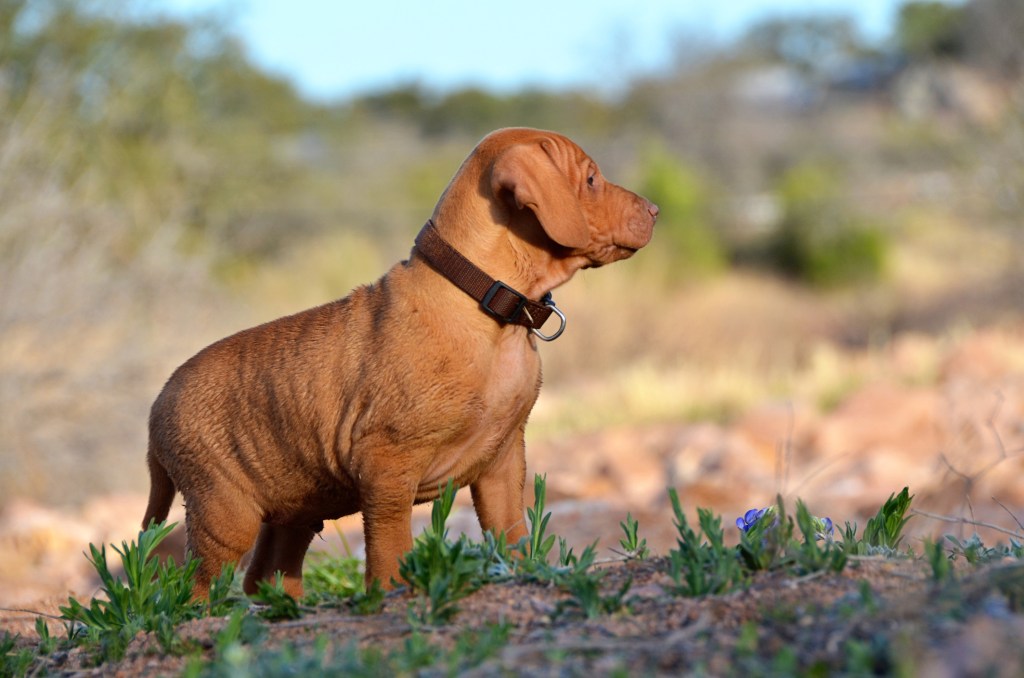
(161,491)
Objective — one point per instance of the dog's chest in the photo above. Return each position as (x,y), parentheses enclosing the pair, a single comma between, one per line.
(508,384)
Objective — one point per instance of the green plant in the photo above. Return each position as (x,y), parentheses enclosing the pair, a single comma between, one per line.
(764,535)
(585,589)
(942,569)
(810,556)
(884,531)
(475,646)
(701,564)
(47,643)
(275,602)
(330,580)
(370,601)
(225,592)
(14,661)
(632,545)
(976,553)
(819,239)
(686,224)
(153,598)
(540,542)
(442,571)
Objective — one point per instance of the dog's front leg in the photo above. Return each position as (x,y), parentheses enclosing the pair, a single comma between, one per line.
(387,529)
(498,492)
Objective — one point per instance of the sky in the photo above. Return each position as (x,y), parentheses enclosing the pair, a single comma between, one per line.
(334,49)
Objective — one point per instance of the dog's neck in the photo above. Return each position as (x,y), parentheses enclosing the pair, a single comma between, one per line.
(496,298)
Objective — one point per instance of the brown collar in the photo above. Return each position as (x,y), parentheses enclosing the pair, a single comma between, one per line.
(497,299)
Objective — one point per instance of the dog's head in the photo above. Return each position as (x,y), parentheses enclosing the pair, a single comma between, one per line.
(549,188)
(551,196)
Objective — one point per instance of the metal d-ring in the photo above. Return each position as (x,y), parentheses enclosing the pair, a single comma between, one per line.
(550,303)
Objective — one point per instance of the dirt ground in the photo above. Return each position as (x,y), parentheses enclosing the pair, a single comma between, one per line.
(955,436)
(880,616)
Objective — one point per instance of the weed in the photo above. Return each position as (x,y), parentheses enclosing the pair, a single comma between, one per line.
(47,643)
(241,628)
(632,545)
(368,602)
(976,553)
(14,662)
(235,655)
(225,592)
(330,580)
(275,601)
(585,589)
(154,598)
(883,533)
(442,571)
(810,556)
(700,567)
(539,543)
(872,657)
(475,646)
(762,541)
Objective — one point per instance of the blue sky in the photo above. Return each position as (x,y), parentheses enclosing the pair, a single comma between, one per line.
(334,49)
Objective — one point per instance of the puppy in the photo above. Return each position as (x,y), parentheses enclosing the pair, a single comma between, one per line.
(372,402)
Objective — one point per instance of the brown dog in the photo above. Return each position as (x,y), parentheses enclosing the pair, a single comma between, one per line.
(372,402)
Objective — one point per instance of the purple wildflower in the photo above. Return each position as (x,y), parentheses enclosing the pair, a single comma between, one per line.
(750,518)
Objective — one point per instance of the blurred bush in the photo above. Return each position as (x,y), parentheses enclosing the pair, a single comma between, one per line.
(819,239)
(686,227)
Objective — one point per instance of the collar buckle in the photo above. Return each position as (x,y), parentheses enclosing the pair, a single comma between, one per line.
(495,288)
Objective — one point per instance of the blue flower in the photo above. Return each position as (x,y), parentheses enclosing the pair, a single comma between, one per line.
(750,518)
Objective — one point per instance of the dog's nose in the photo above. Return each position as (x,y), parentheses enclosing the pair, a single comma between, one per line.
(653,210)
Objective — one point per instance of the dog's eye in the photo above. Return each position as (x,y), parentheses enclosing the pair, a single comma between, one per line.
(590,180)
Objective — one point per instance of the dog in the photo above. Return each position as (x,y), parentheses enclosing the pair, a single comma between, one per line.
(372,402)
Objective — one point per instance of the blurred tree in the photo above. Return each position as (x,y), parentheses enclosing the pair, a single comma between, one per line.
(807,44)
(928,29)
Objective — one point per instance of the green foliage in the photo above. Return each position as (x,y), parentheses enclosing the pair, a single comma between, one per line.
(540,542)
(370,601)
(441,571)
(477,645)
(685,230)
(331,579)
(225,592)
(237,654)
(275,601)
(812,556)
(154,598)
(47,643)
(13,661)
(473,111)
(938,560)
(819,240)
(585,590)
(701,564)
(885,530)
(976,553)
(928,28)
(763,546)
(632,545)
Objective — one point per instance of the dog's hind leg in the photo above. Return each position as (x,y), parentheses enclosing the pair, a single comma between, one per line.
(279,548)
(219,532)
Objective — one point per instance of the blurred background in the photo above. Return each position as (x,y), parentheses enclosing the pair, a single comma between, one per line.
(831,306)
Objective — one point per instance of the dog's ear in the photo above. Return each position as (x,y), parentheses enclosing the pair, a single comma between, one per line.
(530,175)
